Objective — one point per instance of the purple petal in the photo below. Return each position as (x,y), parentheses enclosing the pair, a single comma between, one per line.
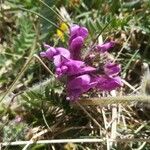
(57,60)
(79,81)
(74,67)
(106,83)
(112,69)
(74,63)
(64,69)
(76,30)
(75,47)
(86,69)
(58,72)
(43,54)
(65,66)
(49,53)
(63,52)
(83,32)
(61,71)
(73,95)
(79,85)
(105,47)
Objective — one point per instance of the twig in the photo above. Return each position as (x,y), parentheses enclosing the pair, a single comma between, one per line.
(43,64)
(105,119)
(94,120)
(122,48)
(105,125)
(113,120)
(124,122)
(129,85)
(140,128)
(125,140)
(45,121)
(104,101)
(30,59)
(141,146)
(114,123)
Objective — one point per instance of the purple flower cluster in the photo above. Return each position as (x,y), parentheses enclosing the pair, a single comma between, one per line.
(80,76)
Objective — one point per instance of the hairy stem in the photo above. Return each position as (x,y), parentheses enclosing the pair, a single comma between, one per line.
(103,101)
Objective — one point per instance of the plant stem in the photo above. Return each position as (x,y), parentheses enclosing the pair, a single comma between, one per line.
(104,101)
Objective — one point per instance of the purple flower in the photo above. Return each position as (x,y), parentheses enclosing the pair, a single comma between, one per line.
(80,76)
(49,53)
(76,31)
(73,67)
(106,83)
(76,41)
(79,85)
(105,47)
(112,69)
(55,54)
